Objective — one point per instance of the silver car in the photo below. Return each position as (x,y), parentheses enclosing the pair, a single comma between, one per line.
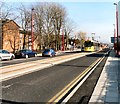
(5,55)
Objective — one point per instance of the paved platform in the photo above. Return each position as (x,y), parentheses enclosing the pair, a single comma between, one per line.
(107,90)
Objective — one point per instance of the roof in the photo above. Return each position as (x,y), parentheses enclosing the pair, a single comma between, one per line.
(7,21)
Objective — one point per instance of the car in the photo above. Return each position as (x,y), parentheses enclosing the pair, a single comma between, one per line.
(49,52)
(25,53)
(5,55)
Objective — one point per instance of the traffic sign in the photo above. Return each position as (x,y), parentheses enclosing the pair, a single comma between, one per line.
(113,39)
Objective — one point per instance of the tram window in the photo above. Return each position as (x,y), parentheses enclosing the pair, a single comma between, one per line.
(88,44)
(91,43)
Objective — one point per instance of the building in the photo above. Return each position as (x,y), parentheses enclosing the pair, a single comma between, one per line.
(12,38)
(24,39)
(9,35)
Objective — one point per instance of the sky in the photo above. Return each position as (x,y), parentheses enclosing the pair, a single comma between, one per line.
(93,17)
(90,16)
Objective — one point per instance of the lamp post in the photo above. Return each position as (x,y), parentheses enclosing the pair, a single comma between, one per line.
(114,37)
(63,41)
(117,25)
(32,28)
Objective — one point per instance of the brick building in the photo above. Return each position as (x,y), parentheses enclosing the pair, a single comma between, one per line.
(12,38)
(9,35)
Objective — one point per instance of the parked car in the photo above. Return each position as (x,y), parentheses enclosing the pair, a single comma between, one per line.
(5,55)
(49,52)
(25,53)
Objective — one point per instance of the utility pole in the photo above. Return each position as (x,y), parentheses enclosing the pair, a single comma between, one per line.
(32,28)
(114,37)
(63,41)
(117,25)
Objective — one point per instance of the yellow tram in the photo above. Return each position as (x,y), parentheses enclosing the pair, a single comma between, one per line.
(91,46)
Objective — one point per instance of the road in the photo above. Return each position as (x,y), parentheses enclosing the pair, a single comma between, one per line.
(43,85)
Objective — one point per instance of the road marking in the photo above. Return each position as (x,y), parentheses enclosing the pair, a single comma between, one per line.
(83,80)
(64,91)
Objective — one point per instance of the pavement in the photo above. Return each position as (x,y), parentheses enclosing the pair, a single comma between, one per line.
(107,90)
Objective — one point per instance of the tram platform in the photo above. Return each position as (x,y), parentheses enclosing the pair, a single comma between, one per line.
(107,90)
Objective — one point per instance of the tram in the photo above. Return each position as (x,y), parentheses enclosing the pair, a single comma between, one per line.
(91,46)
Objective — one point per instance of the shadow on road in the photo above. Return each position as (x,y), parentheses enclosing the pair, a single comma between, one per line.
(10,102)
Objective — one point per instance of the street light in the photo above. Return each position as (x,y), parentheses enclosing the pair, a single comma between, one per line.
(63,41)
(117,25)
(114,37)
(32,28)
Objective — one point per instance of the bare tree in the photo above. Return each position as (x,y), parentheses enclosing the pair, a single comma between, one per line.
(81,36)
(68,30)
(50,19)
(45,25)
(7,11)
(1,5)
(59,14)
(25,22)
(39,17)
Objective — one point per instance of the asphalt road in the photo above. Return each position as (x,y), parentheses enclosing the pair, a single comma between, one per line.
(42,85)
(83,94)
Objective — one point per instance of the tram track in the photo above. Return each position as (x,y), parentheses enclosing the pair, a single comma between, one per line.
(65,95)
(55,84)
(12,71)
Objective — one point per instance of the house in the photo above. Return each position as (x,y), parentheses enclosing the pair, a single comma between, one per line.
(9,36)
(12,37)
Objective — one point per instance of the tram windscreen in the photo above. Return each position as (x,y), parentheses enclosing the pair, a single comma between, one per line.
(88,44)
